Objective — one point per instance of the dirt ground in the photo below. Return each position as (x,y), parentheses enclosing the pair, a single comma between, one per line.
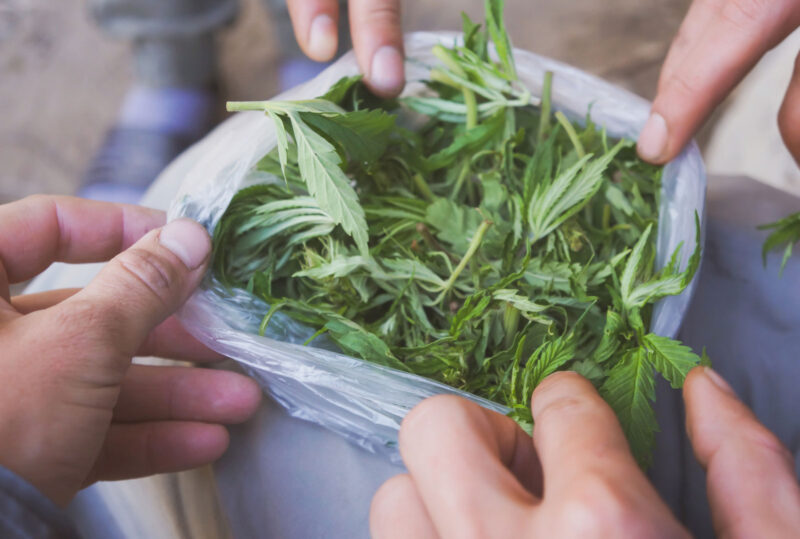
(62,80)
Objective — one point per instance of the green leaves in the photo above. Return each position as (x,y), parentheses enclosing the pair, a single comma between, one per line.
(553,203)
(485,248)
(630,388)
(671,358)
(786,232)
(630,391)
(318,128)
(638,288)
(502,43)
(327,182)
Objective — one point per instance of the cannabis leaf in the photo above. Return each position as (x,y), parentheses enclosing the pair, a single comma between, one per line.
(785,232)
(630,391)
(671,358)
(552,204)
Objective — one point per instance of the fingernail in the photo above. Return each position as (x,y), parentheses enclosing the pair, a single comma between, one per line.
(187,240)
(386,71)
(322,40)
(718,380)
(653,138)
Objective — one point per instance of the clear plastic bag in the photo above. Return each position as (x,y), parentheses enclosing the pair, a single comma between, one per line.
(363,401)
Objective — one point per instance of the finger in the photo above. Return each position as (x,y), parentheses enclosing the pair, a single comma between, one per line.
(397,511)
(133,293)
(733,38)
(789,116)
(28,303)
(171,340)
(752,489)
(58,228)
(315,25)
(461,458)
(168,340)
(576,434)
(690,32)
(152,393)
(378,44)
(142,449)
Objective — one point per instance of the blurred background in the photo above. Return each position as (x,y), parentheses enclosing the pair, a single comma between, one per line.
(63,81)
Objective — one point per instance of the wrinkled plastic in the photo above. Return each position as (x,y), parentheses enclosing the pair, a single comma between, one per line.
(363,401)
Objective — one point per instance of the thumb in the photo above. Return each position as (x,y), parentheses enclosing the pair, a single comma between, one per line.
(751,487)
(139,288)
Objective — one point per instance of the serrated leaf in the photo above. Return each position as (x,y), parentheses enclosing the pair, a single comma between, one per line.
(502,43)
(547,359)
(609,342)
(552,204)
(671,358)
(630,391)
(327,182)
(363,135)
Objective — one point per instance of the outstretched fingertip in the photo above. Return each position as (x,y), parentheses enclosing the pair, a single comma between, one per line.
(386,76)
(654,139)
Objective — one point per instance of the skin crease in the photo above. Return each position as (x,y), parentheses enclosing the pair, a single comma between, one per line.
(73,409)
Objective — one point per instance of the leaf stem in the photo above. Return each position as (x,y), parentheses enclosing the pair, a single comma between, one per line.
(274,308)
(573,136)
(462,176)
(239,106)
(477,239)
(423,187)
(469,96)
(544,118)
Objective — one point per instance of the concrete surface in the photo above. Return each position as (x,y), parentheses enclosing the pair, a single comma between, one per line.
(61,80)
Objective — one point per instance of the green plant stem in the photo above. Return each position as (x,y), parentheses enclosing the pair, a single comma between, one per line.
(423,187)
(462,176)
(274,308)
(573,136)
(469,96)
(544,118)
(471,250)
(239,106)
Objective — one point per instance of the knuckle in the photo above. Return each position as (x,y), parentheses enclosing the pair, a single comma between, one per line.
(743,14)
(157,274)
(560,408)
(429,416)
(597,507)
(390,498)
(83,323)
(383,13)
(761,438)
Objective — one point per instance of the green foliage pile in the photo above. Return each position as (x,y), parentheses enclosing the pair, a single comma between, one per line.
(467,235)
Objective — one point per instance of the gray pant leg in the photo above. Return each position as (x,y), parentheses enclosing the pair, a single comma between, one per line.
(173,40)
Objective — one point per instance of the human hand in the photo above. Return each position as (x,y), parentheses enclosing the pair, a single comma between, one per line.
(750,475)
(474,473)
(376,32)
(718,43)
(73,409)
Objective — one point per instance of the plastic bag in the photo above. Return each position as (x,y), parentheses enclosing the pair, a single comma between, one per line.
(363,401)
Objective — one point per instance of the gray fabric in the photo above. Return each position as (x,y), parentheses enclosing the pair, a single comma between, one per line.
(749,321)
(25,512)
(173,40)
